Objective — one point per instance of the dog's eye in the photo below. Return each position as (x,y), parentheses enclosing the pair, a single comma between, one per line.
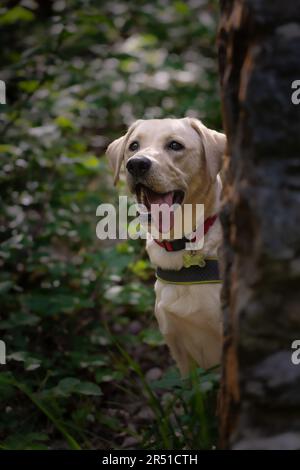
(175,146)
(134,146)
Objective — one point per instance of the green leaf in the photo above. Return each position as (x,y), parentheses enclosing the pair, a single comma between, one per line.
(91,162)
(26,441)
(88,388)
(5,286)
(170,380)
(70,385)
(141,268)
(182,8)
(153,337)
(19,319)
(64,122)
(30,362)
(29,85)
(66,386)
(15,14)
(106,375)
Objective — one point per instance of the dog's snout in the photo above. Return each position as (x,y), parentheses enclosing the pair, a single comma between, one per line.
(138,166)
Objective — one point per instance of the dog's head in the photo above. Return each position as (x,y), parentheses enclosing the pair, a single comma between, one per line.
(168,160)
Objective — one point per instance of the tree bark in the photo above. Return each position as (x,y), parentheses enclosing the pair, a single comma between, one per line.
(259,57)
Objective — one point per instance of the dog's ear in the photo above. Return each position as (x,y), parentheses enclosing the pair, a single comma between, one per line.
(116,151)
(214,145)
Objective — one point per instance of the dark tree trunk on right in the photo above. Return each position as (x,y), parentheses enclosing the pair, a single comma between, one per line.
(259,48)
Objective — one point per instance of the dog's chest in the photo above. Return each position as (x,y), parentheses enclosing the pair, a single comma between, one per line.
(197,304)
(186,310)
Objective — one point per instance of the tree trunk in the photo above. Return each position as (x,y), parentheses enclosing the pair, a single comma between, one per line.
(259,53)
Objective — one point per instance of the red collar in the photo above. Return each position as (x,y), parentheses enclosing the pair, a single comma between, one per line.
(179,244)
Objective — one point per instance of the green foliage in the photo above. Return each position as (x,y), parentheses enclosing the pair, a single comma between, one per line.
(77,73)
(183,410)
(189,406)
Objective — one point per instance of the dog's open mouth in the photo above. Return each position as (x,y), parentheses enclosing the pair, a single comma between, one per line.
(154,206)
(148,197)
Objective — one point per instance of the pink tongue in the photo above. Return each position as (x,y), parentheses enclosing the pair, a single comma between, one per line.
(165,224)
(155,198)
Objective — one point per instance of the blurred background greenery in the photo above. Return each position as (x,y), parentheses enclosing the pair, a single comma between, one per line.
(86,366)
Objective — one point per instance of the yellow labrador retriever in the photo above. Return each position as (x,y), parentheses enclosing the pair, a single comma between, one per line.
(178,161)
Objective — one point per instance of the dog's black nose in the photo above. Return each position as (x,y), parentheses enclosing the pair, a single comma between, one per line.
(138,166)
